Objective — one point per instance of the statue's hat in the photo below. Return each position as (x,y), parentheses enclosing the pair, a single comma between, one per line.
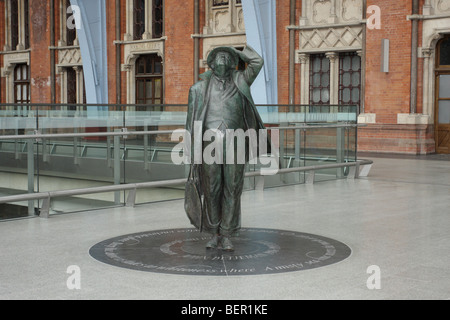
(230,50)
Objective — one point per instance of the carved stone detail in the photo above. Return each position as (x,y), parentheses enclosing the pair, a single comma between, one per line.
(240,22)
(351,10)
(228,18)
(69,57)
(222,21)
(443,5)
(331,38)
(321,11)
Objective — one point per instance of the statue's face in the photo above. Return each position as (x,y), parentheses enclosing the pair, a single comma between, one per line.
(223,59)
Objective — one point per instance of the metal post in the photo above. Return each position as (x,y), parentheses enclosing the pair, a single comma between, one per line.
(75,148)
(146,165)
(117,166)
(291,55)
(340,150)
(414,57)
(30,172)
(297,148)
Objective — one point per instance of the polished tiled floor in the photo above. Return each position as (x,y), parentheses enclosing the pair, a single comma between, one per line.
(397,218)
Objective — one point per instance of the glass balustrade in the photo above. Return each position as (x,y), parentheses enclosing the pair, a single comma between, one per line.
(91,146)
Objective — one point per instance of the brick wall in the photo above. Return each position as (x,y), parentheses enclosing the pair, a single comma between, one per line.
(2,41)
(389,93)
(39,55)
(283,7)
(111,48)
(179,51)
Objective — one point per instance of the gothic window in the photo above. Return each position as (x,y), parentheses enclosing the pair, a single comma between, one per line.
(319,82)
(71,87)
(19,37)
(71,31)
(22,84)
(444,52)
(26,24)
(149,80)
(139,19)
(157,18)
(147,19)
(217,3)
(349,79)
(14,9)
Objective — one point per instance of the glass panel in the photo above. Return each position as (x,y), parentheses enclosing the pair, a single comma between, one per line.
(316,64)
(355,94)
(14,24)
(346,95)
(316,80)
(19,92)
(141,90)
(356,79)
(139,18)
(26,17)
(157,88)
(148,64)
(157,18)
(346,79)
(141,67)
(444,86)
(325,80)
(158,67)
(444,112)
(356,63)
(148,90)
(445,53)
(18,73)
(220,3)
(325,95)
(346,63)
(325,65)
(24,72)
(25,93)
(316,95)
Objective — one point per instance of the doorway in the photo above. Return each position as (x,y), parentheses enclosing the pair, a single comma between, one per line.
(442,105)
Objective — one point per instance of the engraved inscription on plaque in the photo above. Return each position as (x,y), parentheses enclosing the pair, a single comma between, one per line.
(257,251)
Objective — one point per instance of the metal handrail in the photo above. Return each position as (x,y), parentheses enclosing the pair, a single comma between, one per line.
(38,135)
(47,196)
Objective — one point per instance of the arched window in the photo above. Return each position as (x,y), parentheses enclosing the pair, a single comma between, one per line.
(22,84)
(149,79)
(147,19)
(319,83)
(443,56)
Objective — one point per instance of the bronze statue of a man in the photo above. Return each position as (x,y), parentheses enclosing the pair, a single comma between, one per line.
(221,101)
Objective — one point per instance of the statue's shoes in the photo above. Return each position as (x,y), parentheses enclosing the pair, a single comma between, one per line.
(227,245)
(213,243)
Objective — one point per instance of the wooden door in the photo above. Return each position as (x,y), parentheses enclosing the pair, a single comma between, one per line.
(442,103)
(442,118)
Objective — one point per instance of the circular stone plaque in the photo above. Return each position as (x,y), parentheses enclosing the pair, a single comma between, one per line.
(257,251)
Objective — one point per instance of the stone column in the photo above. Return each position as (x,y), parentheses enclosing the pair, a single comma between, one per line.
(148,32)
(427,8)
(334,81)
(7,45)
(21,20)
(128,36)
(428,79)
(304,78)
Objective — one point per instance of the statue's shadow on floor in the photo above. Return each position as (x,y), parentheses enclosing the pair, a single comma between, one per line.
(256,251)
